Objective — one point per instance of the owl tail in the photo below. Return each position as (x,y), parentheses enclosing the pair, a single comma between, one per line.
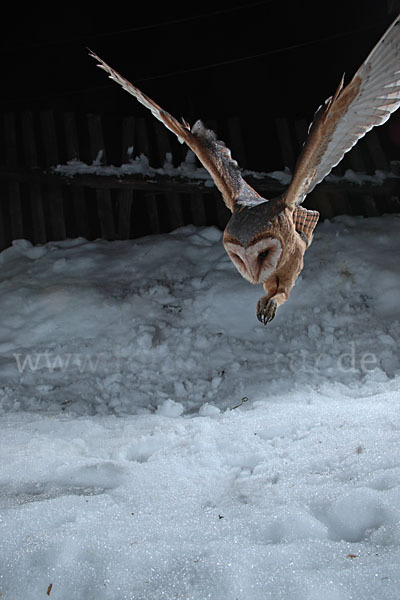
(305,221)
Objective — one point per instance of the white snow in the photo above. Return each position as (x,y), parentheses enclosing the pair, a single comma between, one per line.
(189,169)
(157,442)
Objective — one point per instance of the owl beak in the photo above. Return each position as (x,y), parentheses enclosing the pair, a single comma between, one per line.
(252,268)
(244,264)
(254,274)
(252,271)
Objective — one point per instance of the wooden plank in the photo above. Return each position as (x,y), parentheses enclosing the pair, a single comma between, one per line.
(10,140)
(125,200)
(29,140)
(198,209)
(53,191)
(137,182)
(370,208)
(15,210)
(54,201)
(134,182)
(341,203)
(322,202)
(105,214)
(71,136)
(37,214)
(51,154)
(104,205)
(175,212)
(4,241)
(153,213)
(80,217)
(143,146)
(35,189)
(392,204)
(174,204)
(125,197)
(285,142)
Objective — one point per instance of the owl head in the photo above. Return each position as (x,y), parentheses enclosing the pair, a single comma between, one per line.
(254,242)
(256,262)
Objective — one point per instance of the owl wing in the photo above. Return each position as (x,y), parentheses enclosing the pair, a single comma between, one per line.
(212,153)
(368,100)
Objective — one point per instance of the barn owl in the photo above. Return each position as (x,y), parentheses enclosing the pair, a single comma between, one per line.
(266,238)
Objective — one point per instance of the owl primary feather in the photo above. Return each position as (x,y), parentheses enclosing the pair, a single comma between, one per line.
(266,238)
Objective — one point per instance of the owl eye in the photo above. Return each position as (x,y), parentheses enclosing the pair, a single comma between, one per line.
(263,254)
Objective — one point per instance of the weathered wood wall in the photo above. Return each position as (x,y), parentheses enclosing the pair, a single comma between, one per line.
(40,206)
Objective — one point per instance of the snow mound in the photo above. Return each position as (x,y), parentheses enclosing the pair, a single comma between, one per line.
(158,442)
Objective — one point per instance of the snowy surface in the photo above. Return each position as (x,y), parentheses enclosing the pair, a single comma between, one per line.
(157,442)
(189,169)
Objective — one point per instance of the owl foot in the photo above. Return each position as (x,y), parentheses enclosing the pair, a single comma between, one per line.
(266,309)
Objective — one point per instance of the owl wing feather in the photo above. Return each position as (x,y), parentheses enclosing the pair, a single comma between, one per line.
(211,152)
(368,100)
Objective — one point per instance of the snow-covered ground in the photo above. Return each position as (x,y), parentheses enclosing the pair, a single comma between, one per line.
(157,442)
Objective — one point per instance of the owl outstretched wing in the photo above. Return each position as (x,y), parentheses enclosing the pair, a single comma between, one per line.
(212,153)
(368,100)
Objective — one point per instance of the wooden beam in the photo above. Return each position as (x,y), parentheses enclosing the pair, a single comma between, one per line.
(53,190)
(104,205)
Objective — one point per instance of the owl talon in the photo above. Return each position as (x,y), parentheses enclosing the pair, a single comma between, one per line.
(266,309)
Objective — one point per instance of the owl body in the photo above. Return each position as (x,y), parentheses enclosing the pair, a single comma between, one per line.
(266,239)
(269,250)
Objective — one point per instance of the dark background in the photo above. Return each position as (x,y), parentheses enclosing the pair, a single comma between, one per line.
(209,60)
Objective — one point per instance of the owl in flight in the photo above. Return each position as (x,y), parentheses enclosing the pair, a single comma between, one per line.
(266,238)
